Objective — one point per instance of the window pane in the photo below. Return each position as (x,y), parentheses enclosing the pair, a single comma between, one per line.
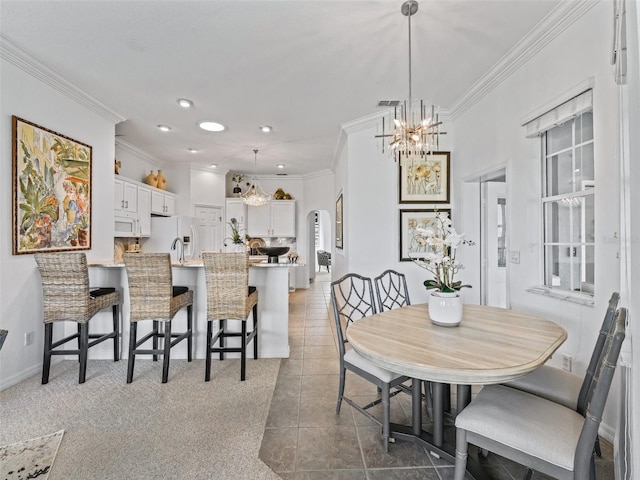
(559,174)
(589,219)
(584,167)
(502,230)
(559,138)
(562,221)
(562,267)
(589,265)
(584,127)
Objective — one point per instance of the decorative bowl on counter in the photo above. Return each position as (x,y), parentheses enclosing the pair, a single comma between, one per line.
(273,252)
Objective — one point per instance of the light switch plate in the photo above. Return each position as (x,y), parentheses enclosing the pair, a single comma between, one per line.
(515,256)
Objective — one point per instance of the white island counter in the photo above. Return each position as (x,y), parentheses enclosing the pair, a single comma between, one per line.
(271,280)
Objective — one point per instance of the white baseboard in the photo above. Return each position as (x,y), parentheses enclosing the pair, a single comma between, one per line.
(20,376)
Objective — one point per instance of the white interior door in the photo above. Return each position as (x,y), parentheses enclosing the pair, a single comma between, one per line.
(495,237)
(209,226)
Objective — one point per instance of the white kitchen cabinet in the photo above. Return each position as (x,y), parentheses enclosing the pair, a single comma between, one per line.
(163,203)
(275,219)
(125,197)
(144,212)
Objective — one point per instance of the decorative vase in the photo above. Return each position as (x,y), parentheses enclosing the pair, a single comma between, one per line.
(151,179)
(237,190)
(239,247)
(162,182)
(445,309)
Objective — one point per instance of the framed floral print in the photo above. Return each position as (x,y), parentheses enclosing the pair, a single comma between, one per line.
(339,223)
(410,220)
(424,178)
(51,190)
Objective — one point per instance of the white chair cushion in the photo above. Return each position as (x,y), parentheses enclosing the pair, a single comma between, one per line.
(357,360)
(540,428)
(551,383)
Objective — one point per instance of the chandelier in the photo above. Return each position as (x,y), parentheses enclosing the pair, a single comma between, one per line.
(255,196)
(416,127)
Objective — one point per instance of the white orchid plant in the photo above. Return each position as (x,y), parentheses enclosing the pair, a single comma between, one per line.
(433,247)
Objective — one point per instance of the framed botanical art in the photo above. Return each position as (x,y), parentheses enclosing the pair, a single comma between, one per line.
(424,178)
(410,220)
(339,223)
(51,190)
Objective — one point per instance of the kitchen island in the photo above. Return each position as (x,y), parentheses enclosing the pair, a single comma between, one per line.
(271,280)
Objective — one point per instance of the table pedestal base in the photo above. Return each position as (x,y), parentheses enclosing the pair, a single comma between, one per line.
(434,442)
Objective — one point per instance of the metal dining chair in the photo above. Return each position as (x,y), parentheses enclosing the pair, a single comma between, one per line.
(68,297)
(352,299)
(564,387)
(391,290)
(153,297)
(539,433)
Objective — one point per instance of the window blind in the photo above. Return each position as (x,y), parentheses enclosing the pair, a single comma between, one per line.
(579,104)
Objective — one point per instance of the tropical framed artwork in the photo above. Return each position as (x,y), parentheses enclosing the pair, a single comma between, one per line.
(51,190)
(410,220)
(424,178)
(339,223)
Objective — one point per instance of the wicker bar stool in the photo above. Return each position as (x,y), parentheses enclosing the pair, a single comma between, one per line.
(152,296)
(229,297)
(68,298)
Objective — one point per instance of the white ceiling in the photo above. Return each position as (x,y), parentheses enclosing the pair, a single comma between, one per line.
(304,67)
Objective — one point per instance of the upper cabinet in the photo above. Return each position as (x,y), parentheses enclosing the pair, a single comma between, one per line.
(126,197)
(162,203)
(275,219)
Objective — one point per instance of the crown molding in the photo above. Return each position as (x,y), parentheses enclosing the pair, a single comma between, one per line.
(13,54)
(319,174)
(550,27)
(135,151)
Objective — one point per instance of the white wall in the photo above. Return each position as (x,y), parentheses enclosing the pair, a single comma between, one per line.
(491,133)
(20,292)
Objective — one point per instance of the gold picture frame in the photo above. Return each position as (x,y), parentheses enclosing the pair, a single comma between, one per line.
(51,190)
(339,223)
(424,178)
(409,221)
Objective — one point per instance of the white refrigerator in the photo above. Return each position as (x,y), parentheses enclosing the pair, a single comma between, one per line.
(164,230)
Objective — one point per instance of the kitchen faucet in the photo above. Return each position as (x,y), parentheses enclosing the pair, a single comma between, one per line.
(174,246)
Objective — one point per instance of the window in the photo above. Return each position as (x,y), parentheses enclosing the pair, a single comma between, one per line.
(568,199)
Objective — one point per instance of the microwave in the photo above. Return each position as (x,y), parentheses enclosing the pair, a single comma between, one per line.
(126,227)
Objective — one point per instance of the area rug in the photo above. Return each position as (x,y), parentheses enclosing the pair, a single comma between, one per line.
(29,459)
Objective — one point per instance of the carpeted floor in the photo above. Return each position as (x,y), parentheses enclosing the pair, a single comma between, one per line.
(185,429)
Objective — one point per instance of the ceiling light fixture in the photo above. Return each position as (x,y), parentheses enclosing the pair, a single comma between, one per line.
(193,150)
(164,128)
(211,126)
(266,128)
(281,165)
(416,127)
(214,165)
(185,103)
(255,196)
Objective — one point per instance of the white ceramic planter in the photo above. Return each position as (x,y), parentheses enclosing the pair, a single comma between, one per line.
(445,309)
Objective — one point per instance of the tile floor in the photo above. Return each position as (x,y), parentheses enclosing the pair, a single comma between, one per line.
(305,440)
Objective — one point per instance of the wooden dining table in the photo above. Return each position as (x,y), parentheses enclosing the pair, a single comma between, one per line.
(491,345)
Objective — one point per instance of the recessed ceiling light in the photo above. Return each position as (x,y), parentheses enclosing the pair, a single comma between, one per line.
(214,165)
(185,103)
(266,128)
(193,150)
(281,165)
(211,126)
(164,128)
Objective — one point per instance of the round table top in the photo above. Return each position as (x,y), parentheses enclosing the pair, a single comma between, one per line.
(491,345)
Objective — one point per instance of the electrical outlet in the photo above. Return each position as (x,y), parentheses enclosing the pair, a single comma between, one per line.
(566,362)
(515,256)
(28,339)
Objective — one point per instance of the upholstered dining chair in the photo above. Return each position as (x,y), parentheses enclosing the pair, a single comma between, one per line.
(564,387)
(229,297)
(153,297)
(541,434)
(69,298)
(352,299)
(391,290)
(324,260)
